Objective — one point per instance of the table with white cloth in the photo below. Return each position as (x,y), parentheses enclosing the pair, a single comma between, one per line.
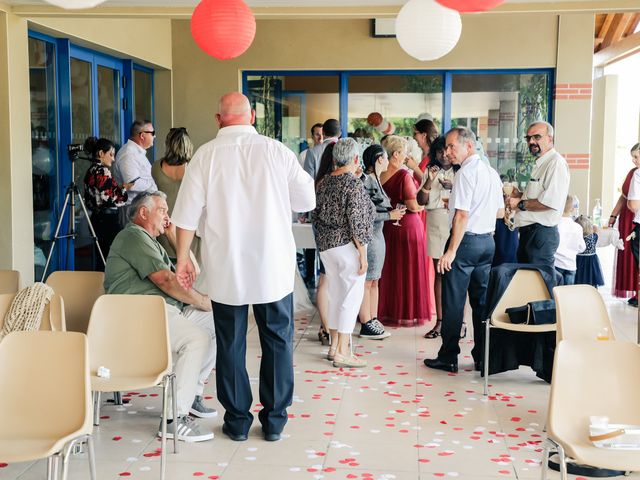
(304,238)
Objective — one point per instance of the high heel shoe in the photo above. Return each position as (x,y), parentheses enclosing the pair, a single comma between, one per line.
(323,336)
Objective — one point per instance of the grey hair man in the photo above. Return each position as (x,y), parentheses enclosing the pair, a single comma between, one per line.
(139,265)
(475,203)
(539,207)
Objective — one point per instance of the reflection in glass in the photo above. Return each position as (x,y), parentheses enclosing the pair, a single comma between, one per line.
(498,108)
(400,99)
(109,104)
(44,159)
(287,106)
(143,101)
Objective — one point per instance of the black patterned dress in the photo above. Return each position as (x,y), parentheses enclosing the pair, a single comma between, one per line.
(589,271)
(103,197)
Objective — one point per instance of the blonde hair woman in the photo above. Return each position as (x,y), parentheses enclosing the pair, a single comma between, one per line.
(404,286)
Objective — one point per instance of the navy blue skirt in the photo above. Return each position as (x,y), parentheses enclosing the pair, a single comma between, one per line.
(589,271)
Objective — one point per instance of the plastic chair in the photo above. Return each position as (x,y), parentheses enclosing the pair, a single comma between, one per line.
(53,318)
(129,335)
(525,286)
(9,281)
(79,290)
(592,377)
(581,313)
(56,363)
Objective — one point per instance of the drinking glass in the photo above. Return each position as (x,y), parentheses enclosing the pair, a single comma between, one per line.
(507,188)
(399,206)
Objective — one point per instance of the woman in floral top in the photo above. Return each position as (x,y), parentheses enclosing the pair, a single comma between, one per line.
(102,194)
(344,221)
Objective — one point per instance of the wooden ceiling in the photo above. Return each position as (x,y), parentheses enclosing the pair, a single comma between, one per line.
(614,27)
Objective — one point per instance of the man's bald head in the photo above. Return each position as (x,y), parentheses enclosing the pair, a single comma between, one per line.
(234,109)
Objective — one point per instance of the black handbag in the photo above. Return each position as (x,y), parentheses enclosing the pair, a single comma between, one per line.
(539,312)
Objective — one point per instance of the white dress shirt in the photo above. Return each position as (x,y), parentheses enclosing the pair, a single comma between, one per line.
(571,244)
(244,186)
(477,189)
(132,162)
(549,184)
(634,192)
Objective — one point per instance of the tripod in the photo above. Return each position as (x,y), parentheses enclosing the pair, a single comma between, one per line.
(69,200)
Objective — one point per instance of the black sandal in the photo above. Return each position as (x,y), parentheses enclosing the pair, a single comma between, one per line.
(323,336)
(435,331)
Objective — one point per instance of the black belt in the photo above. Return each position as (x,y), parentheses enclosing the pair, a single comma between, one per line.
(471,234)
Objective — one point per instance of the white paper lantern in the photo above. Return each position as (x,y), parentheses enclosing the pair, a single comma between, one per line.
(75,4)
(426,30)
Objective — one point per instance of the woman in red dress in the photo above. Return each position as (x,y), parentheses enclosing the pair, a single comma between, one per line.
(626,269)
(405,293)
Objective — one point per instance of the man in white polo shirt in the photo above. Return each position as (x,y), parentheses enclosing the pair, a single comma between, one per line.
(475,203)
(539,208)
(633,202)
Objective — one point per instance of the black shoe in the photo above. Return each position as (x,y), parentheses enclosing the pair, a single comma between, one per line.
(633,301)
(440,365)
(478,366)
(236,437)
(271,437)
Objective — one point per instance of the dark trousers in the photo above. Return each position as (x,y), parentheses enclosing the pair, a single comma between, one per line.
(275,327)
(635,243)
(538,244)
(469,273)
(568,276)
(106,226)
(310,264)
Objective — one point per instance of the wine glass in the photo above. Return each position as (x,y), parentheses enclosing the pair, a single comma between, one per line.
(445,193)
(399,206)
(507,188)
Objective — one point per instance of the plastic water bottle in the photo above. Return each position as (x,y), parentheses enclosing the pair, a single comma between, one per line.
(597,213)
(575,213)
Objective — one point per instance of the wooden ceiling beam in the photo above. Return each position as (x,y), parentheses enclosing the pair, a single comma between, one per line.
(617,29)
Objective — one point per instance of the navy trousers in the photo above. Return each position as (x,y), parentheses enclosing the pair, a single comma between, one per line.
(469,273)
(275,327)
(538,244)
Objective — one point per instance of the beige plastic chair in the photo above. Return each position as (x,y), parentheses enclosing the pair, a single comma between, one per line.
(580,313)
(129,335)
(525,286)
(79,290)
(592,377)
(9,281)
(53,318)
(56,363)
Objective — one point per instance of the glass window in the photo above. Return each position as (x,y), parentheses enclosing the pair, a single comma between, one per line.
(44,159)
(498,108)
(143,101)
(400,99)
(109,104)
(287,106)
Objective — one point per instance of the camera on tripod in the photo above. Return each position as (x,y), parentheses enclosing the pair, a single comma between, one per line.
(74,150)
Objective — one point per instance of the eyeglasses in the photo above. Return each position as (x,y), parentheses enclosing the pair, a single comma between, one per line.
(535,137)
(152,132)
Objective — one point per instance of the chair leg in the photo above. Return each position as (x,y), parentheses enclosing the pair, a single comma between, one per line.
(66,453)
(96,408)
(487,333)
(545,459)
(174,403)
(163,440)
(117,398)
(53,467)
(563,463)
(92,458)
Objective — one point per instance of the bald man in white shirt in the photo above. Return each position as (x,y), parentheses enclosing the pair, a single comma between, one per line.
(239,190)
(475,203)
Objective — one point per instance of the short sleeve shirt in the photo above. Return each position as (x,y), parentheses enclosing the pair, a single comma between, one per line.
(634,192)
(133,256)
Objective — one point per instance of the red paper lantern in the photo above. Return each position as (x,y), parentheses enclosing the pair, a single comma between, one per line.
(223,29)
(374,119)
(470,5)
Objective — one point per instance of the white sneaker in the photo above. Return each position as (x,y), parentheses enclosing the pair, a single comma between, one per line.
(188,430)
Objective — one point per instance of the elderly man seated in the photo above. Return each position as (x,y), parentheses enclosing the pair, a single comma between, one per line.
(137,264)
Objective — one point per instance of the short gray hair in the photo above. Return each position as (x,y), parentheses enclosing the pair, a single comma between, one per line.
(464,135)
(145,199)
(546,124)
(345,151)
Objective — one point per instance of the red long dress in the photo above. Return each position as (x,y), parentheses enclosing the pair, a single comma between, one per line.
(406,294)
(625,269)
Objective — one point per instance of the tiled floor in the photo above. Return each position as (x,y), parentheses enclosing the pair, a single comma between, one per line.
(393,420)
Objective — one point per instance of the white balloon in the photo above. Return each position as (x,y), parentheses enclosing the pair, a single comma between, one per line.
(75,4)
(426,30)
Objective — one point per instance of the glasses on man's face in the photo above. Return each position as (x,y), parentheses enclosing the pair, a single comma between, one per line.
(151,132)
(535,137)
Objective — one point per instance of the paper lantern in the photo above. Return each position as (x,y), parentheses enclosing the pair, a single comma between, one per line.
(75,4)
(470,5)
(426,30)
(374,119)
(223,29)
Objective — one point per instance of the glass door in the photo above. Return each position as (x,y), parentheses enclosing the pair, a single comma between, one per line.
(96,110)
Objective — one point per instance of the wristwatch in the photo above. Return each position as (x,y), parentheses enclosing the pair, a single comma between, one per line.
(521,205)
